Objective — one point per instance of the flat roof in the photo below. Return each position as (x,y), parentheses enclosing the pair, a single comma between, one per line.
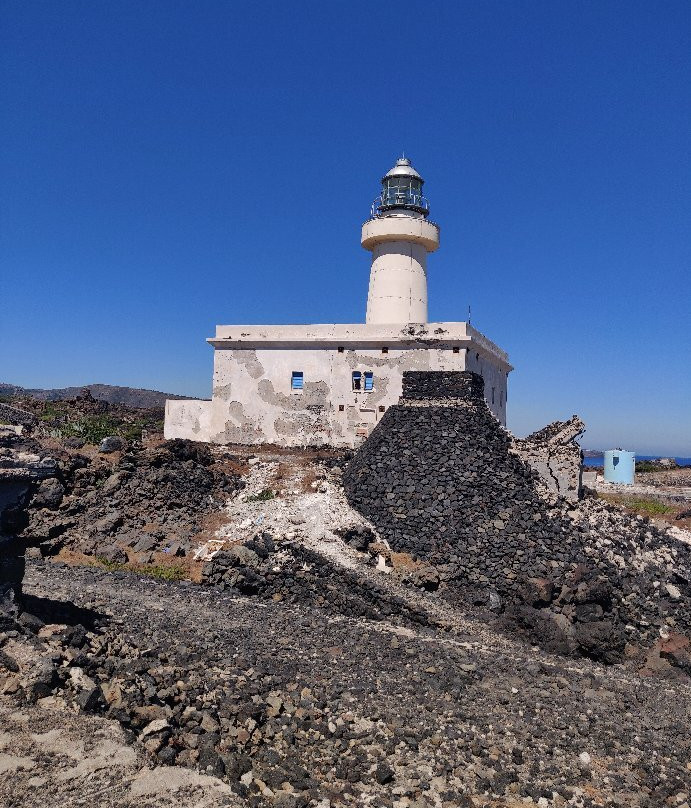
(363,335)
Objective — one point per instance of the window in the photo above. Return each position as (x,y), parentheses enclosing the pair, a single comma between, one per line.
(493,395)
(296,380)
(340,349)
(366,384)
(384,350)
(341,407)
(477,357)
(456,349)
(381,408)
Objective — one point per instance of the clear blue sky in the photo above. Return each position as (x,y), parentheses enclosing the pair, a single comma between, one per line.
(170,165)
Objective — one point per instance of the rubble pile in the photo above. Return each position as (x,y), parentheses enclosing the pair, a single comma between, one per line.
(120,505)
(438,479)
(292,573)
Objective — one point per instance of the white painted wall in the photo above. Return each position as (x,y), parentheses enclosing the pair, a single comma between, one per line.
(398,277)
(398,284)
(253,401)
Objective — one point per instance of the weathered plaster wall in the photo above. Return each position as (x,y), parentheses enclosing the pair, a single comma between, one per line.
(555,455)
(253,401)
(495,378)
(188,419)
(252,397)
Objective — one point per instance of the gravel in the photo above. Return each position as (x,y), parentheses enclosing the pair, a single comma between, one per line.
(294,705)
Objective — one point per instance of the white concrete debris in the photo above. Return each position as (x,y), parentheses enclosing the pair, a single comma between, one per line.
(555,455)
(292,510)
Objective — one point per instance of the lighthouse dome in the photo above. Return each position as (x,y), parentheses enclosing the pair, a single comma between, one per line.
(403,168)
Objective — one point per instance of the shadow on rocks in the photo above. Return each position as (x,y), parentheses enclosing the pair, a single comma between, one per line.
(41,611)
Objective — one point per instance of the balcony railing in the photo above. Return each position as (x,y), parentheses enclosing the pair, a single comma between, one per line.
(392,198)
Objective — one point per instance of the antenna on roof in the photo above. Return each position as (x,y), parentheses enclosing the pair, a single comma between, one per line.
(468,313)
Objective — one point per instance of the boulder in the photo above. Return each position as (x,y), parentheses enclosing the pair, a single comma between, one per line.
(538,592)
(49,494)
(602,641)
(108,523)
(113,443)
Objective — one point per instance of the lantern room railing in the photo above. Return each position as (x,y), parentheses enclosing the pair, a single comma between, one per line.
(400,198)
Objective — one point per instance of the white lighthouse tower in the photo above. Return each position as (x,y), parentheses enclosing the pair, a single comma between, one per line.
(399,238)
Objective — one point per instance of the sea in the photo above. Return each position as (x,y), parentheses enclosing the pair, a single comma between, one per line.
(599,461)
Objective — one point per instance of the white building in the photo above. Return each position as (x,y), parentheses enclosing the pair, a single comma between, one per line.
(298,385)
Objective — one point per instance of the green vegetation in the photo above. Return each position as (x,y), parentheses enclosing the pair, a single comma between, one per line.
(51,412)
(158,571)
(648,507)
(647,466)
(91,429)
(262,496)
(133,431)
(163,573)
(62,420)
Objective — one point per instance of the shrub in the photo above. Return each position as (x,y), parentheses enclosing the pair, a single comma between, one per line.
(649,507)
(163,573)
(646,465)
(111,566)
(262,496)
(158,571)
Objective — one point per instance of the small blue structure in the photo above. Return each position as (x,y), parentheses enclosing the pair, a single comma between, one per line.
(620,466)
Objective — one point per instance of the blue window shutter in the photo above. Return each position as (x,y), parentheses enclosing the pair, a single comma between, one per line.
(369,380)
(296,380)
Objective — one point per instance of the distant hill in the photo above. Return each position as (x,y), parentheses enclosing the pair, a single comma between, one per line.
(128,396)
(593,453)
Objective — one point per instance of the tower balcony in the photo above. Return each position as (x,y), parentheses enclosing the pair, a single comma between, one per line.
(381,229)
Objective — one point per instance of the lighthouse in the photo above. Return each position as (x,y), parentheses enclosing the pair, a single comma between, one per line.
(330,383)
(399,236)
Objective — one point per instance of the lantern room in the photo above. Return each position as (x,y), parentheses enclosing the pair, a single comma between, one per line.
(401,190)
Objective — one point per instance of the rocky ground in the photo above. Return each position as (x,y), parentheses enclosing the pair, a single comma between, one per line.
(322,661)
(439,481)
(292,705)
(663,495)
(52,755)
(124,505)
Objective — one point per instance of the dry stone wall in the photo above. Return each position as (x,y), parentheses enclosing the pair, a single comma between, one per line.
(439,480)
(14,415)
